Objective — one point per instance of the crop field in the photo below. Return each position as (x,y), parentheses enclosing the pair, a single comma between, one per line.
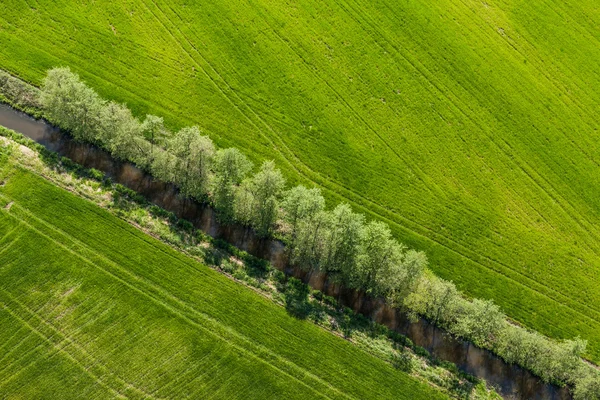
(92,308)
(470,126)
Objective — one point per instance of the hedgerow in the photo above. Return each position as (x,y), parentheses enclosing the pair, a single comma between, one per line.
(360,254)
(257,273)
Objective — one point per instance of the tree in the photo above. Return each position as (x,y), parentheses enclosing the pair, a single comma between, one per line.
(342,242)
(588,386)
(512,344)
(414,264)
(243,203)
(71,104)
(230,168)
(162,166)
(266,187)
(567,359)
(140,149)
(300,204)
(310,244)
(153,129)
(193,156)
(480,321)
(120,132)
(379,261)
(435,299)
(77,108)
(112,117)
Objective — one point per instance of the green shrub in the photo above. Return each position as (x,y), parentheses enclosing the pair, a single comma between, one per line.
(296,298)
(422,352)
(95,174)
(402,361)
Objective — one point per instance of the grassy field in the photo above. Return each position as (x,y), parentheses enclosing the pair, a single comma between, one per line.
(92,308)
(470,126)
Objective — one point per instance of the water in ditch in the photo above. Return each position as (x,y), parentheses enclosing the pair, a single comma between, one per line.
(511,381)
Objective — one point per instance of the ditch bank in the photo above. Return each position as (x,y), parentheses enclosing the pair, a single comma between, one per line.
(510,381)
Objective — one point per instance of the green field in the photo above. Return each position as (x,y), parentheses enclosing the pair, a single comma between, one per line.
(470,126)
(92,308)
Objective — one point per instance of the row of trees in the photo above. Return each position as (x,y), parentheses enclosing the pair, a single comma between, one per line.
(360,254)
(188,158)
(483,323)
